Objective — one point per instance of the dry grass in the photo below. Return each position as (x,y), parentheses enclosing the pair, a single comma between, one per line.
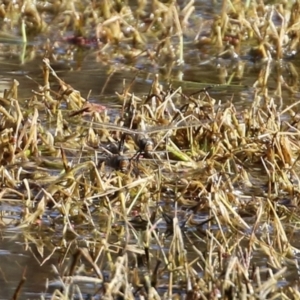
(182,195)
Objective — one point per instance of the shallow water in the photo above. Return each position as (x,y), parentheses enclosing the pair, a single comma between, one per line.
(17,258)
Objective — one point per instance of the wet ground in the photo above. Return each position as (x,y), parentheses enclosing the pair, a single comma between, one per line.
(86,72)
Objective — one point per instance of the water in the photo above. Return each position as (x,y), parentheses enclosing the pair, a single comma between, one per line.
(19,256)
(86,70)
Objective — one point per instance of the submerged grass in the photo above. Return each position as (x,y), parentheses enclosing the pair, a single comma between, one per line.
(176,196)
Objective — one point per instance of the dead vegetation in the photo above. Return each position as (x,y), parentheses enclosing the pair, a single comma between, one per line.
(178,195)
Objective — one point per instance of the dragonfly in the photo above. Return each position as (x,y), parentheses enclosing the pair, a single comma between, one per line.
(182,124)
(143,137)
(150,130)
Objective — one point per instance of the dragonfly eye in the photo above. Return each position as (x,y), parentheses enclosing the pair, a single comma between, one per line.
(123,163)
(149,146)
(146,144)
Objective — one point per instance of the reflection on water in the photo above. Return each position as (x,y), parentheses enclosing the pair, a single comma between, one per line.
(104,80)
(16,259)
(86,71)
